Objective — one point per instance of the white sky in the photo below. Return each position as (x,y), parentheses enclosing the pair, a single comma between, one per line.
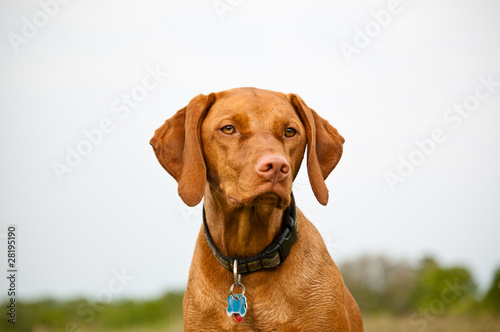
(118,209)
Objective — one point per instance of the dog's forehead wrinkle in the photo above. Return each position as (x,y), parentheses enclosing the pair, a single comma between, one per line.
(272,116)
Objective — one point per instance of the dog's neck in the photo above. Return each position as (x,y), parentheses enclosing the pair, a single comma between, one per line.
(243,230)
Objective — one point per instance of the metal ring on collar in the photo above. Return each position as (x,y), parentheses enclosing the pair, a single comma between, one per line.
(242,290)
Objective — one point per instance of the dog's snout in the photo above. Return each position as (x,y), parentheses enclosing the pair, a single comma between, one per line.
(273,167)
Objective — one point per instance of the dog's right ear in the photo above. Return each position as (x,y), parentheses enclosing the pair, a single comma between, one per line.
(177,145)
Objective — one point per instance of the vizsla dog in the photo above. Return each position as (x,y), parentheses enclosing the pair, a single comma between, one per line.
(259,264)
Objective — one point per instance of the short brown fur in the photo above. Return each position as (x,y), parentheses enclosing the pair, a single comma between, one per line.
(244,209)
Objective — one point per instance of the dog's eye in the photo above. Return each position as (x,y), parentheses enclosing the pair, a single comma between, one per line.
(290,132)
(228,130)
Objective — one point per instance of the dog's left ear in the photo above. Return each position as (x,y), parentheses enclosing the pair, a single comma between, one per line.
(177,145)
(324,147)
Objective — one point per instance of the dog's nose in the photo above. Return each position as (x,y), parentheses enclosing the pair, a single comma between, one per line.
(273,167)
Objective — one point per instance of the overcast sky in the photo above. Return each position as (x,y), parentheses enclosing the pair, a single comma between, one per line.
(413,86)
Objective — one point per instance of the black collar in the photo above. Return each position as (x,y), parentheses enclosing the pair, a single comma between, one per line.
(272,257)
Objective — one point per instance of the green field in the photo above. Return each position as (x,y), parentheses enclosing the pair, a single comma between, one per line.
(393,297)
(446,323)
(373,323)
(165,315)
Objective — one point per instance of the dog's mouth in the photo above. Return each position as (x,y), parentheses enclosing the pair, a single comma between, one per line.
(264,194)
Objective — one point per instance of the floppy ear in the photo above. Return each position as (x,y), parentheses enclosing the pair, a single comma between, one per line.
(177,145)
(324,147)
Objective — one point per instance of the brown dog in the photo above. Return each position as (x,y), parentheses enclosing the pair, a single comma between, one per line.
(240,150)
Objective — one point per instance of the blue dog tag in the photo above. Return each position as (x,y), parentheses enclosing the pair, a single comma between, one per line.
(237,305)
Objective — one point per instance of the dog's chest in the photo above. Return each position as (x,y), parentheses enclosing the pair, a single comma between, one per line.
(270,306)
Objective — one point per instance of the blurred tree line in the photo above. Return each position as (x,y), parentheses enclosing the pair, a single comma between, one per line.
(81,315)
(380,286)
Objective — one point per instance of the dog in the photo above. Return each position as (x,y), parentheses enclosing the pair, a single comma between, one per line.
(259,264)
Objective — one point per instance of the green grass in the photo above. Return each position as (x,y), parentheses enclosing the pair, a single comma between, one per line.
(372,323)
(444,323)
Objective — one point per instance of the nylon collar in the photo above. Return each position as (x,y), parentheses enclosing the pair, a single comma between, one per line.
(272,257)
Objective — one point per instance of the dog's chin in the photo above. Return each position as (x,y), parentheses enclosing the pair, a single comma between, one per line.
(266,199)
(271,198)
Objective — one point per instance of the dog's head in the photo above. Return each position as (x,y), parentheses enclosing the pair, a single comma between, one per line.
(248,144)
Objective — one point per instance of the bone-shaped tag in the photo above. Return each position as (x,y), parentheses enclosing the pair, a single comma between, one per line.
(237,306)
